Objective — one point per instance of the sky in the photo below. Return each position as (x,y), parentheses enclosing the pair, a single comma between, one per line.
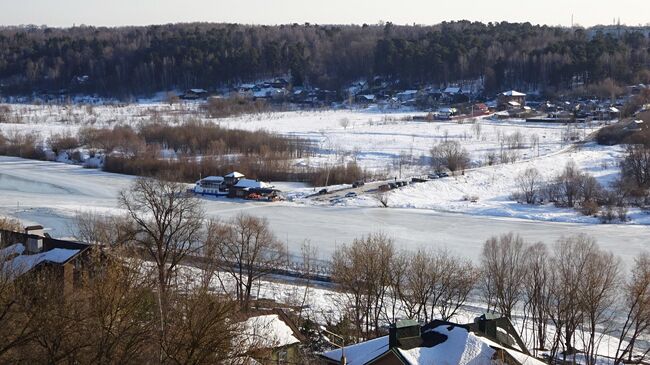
(65,13)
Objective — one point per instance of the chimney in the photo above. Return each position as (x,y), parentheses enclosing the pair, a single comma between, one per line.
(405,334)
(34,244)
(35,236)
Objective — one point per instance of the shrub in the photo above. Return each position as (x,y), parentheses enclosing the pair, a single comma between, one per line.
(227,107)
(449,154)
(589,207)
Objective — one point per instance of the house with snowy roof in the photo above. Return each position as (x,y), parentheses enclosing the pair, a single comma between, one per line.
(31,252)
(511,100)
(245,188)
(438,342)
(193,94)
(271,337)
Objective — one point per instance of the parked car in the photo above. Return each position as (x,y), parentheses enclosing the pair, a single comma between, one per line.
(392,185)
(351,194)
(443,174)
(322,191)
(358,183)
(433,176)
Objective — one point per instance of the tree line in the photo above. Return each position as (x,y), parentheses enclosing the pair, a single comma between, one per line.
(127,61)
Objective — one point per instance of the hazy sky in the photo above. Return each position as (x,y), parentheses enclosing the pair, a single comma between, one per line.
(140,12)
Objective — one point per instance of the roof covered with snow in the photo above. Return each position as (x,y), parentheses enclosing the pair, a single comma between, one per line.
(460,347)
(267,331)
(235,174)
(512,93)
(250,183)
(212,178)
(21,264)
(452,90)
(360,353)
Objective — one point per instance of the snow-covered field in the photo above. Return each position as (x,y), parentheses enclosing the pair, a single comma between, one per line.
(374,139)
(389,144)
(420,214)
(493,187)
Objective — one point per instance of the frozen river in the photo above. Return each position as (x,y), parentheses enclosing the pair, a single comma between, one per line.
(51,194)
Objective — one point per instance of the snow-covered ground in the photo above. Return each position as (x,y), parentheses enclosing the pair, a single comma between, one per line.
(492,188)
(390,144)
(374,139)
(52,194)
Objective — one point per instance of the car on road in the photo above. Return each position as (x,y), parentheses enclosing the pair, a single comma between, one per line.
(322,191)
(358,183)
(443,174)
(351,194)
(433,176)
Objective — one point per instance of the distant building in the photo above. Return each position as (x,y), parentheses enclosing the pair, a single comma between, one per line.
(406,95)
(232,178)
(235,185)
(211,185)
(193,94)
(365,99)
(511,100)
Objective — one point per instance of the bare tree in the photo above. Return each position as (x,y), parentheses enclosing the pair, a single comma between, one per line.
(529,183)
(476,128)
(117,310)
(598,293)
(15,323)
(637,309)
(568,184)
(435,284)
(309,254)
(534,142)
(202,329)
(459,281)
(415,287)
(344,122)
(168,223)
(102,230)
(537,292)
(247,251)
(382,198)
(573,282)
(363,270)
(503,265)
(449,154)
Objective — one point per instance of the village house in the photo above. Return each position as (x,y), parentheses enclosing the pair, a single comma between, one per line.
(272,338)
(31,252)
(365,99)
(489,340)
(511,100)
(194,94)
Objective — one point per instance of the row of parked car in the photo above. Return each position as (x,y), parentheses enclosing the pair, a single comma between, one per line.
(355,185)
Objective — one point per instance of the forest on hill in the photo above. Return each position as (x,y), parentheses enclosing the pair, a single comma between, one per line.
(127,61)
